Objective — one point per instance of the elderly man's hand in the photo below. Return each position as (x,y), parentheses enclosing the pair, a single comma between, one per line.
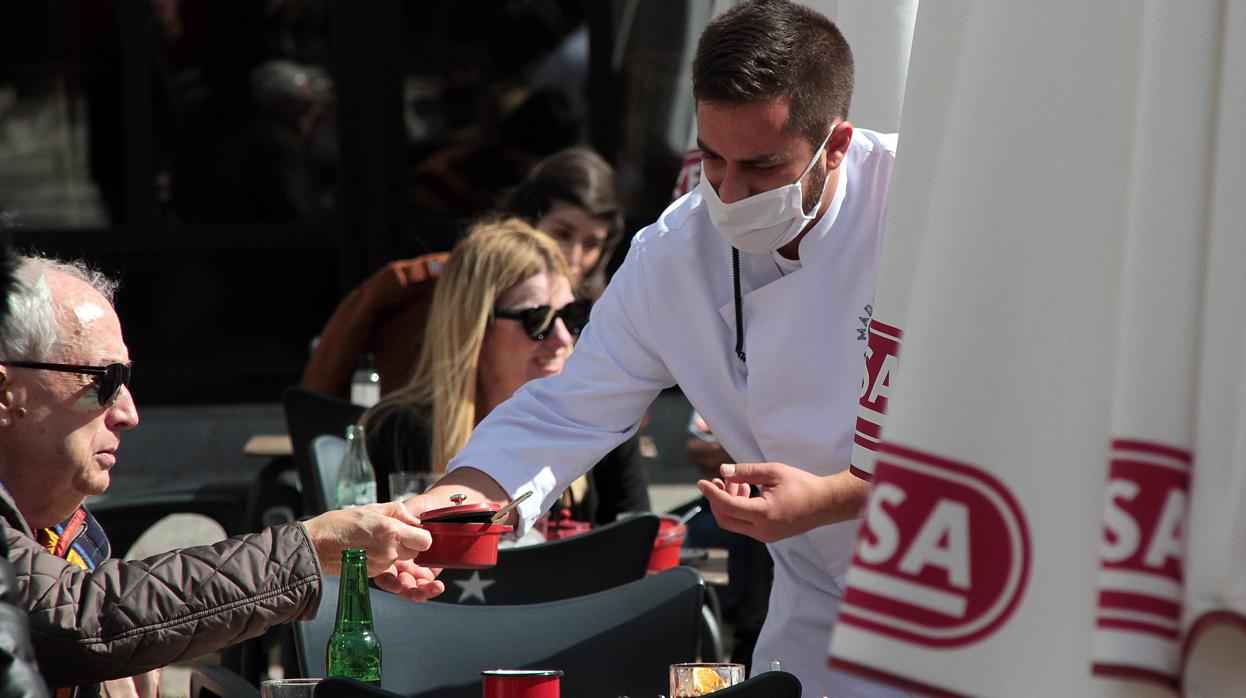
(792,500)
(388,532)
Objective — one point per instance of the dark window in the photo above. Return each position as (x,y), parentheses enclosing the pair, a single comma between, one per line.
(242,164)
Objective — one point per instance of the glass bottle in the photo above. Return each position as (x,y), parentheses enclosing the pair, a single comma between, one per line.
(354,649)
(356,481)
(365,384)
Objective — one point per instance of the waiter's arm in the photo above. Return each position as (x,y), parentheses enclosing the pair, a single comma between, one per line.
(792,500)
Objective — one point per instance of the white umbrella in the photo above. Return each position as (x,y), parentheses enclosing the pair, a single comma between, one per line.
(1051,201)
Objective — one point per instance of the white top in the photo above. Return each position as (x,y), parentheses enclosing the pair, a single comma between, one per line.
(668,318)
(786,266)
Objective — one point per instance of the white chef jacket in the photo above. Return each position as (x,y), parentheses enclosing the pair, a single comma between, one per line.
(668,318)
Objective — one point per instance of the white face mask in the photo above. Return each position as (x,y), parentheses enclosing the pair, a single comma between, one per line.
(767,221)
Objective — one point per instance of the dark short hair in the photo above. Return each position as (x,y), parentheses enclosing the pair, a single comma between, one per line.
(766,49)
(582,178)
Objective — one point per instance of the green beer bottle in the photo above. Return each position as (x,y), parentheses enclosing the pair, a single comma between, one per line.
(354,649)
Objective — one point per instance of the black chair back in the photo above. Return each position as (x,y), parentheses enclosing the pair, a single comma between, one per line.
(126,517)
(309,414)
(326,458)
(341,687)
(605,557)
(771,684)
(616,642)
(210,681)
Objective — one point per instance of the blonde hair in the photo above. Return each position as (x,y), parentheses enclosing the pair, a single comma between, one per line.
(494,256)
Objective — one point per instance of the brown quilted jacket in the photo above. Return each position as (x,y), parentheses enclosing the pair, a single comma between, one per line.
(125,618)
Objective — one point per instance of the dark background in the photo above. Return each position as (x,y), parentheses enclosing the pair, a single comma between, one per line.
(131,137)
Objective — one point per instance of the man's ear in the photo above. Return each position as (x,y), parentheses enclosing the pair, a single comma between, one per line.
(837,145)
(8,399)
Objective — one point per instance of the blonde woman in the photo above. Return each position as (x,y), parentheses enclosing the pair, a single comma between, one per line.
(503,314)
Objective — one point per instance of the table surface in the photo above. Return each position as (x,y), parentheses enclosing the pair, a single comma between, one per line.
(268,445)
(714,567)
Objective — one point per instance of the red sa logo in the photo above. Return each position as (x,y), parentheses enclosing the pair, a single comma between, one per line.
(882,356)
(943,554)
(1140,585)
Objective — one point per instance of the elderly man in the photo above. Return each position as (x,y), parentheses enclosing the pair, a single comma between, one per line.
(19,677)
(64,403)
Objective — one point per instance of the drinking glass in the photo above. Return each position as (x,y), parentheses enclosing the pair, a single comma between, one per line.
(702,679)
(403,485)
(288,688)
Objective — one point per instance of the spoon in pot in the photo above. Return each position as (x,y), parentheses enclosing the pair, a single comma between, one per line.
(504,511)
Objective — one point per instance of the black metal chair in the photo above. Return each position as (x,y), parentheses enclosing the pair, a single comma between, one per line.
(219,682)
(617,642)
(605,557)
(309,414)
(326,458)
(125,517)
(771,684)
(613,554)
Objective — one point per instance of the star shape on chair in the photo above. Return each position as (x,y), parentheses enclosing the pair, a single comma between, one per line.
(474,587)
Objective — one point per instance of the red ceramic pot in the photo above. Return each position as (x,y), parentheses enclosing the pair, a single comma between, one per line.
(521,683)
(666,546)
(463,538)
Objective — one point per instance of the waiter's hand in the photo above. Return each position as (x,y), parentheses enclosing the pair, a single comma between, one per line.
(410,581)
(792,500)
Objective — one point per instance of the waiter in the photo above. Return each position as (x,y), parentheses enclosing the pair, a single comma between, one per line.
(750,293)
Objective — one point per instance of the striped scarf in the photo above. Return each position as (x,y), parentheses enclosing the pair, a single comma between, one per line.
(80,540)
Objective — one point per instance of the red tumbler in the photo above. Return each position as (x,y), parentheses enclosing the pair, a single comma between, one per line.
(666,546)
(521,683)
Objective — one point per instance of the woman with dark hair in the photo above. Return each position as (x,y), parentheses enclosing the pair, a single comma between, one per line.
(572,197)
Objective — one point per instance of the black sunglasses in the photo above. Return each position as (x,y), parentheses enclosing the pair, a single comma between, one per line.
(538,321)
(111,377)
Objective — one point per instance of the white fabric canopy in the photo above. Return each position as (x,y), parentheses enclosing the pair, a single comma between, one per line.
(1061,483)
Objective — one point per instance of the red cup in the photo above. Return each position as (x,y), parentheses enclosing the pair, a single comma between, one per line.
(521,683)
(565,528)
(462,537)
(666,546)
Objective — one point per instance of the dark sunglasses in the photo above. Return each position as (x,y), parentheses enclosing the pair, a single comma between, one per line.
(538,321)
(108,384)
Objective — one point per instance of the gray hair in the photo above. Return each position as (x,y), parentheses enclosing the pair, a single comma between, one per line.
(31,331)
